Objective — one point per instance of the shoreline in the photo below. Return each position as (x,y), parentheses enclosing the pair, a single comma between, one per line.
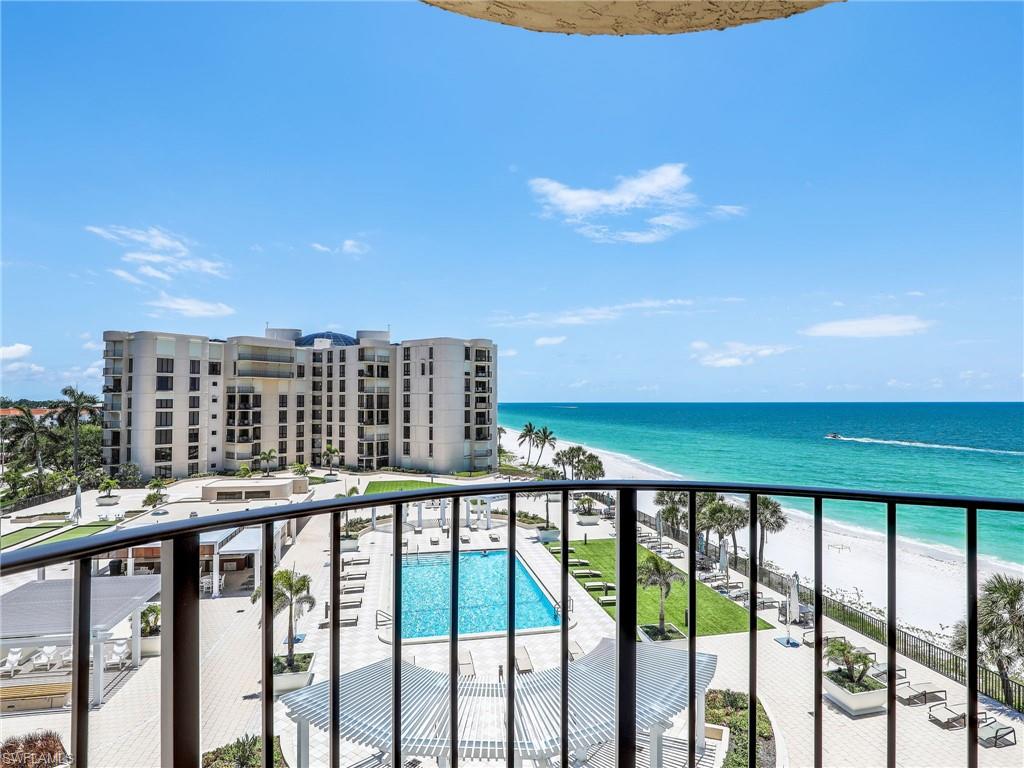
(932,583)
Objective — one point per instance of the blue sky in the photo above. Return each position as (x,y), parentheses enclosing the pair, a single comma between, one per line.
(823,208)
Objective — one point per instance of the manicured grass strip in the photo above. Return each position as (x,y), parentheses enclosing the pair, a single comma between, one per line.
(390,486)
(716,614)
(80,530)
(24,534)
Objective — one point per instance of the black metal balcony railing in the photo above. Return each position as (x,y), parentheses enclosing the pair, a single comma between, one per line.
(179,597)
(265,357)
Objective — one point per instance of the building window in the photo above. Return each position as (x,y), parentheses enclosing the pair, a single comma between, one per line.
(330,357)
(467,353)
(430,451)
(282,401)
(405,369)
(430,352)
(161,454)
(282,431)
(282,417)
(423,369)
(406,417)
(318,357)
(164,383)
(165,365)
(430,434)
(193,367)
(165,418)
(406,430)
(430,417)
(300,371)
(193,453)
(193,469)
(193,418)
(193,384)
(193,401)
(300,431)
(405,353)
(193,435)
(466,431)
(164,402)
(282,447)
(330,371)
(163,471)
(330,430)
(466,417)
(405,449)
(164,436)
(430,401)
(131,364)
(300,416)
(299,446)
(300,401)
(213,369)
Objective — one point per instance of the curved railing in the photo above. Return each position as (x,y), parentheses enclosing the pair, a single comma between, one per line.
(180,599)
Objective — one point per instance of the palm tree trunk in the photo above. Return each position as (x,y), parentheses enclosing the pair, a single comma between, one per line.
(760,548)
(1004,677)
(735,547)
(77,423)
(661,612)
(529,452)
(291,634)
(39,471)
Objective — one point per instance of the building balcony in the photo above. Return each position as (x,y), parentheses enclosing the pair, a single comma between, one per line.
(113,350)
(482,421)
(265,357)
(482,357)
(111,422)
(374,357)
(241,389)
(113,370)
(110,388)
(585,684)
(246,372)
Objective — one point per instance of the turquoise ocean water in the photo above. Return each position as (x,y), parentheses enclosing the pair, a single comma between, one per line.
(951,448)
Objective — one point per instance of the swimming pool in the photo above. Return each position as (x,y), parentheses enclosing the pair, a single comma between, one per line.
(483,595)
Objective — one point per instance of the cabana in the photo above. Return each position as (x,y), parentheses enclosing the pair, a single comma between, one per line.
(662,674)
(40,613)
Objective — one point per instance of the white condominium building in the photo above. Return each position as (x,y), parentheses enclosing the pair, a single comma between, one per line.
(179,405)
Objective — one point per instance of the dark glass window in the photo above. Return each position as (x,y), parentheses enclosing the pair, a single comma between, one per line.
(164,383)
(193,367)
(161,454)
(165,365)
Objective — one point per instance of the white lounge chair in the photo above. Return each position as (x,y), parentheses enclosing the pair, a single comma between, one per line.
(11,663)
(606,600)
(46,659)
(464,538)
(466,666)
(118,655)
(435,541)
(494,537)
(524,663)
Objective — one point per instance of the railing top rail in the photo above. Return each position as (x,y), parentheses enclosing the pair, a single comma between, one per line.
(64,551)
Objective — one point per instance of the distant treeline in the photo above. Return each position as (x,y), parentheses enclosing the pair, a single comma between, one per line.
(6,402)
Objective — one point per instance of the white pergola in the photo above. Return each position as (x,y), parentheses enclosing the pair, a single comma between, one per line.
(662,673)
(39,613)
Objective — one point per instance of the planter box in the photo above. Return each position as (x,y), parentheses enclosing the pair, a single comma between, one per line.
(107,501)
(547,535)
(292,681)
(855,704)
(669,627)
(151,646)
(588,519)
(350,545)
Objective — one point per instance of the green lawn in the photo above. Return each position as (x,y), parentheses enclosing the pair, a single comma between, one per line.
(16,537)
(80,530)
(390,486)
(716,615)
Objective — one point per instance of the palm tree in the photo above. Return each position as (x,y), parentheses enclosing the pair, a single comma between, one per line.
(109,484)
(153,499)
(70,410)
(544,438)
(672,506)
(590,467)
(501,433)
(243,471)
(265,459)
(706,505)
(574,456)
(291,591)
(157,484)
(844,653)
(526,435)
(300,469)
(1000,628)
(328,455)
(653,571)
(561,460)
(29,434)
(771,518)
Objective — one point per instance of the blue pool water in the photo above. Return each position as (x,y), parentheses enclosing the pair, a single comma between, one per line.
(483,593)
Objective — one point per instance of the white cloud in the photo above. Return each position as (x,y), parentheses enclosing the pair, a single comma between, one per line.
(579,383)
(154,238)
(897,384)
(915,294)
(191,307)
(354,247)
(149,271)
(973,375)
(733,353)
(870,327)
(508,353)
(549,341)
(320,247)
(15,351)
(128,277)
(175,264)
(844,387)
(79,373)
(588,315)
(92,345)
(23,369)
(657,197)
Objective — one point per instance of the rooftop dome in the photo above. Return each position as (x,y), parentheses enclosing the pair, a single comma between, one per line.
(337,339)
(616,17)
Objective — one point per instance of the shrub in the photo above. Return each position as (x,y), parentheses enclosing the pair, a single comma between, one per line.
(34,749)
(130,476)
(244,752)
(729,708)
(151,620)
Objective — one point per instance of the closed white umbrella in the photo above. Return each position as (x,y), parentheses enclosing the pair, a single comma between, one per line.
(444,515)
(793,614)
(78,502)
(723,556)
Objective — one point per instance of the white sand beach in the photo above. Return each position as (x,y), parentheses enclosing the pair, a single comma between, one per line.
(931,584)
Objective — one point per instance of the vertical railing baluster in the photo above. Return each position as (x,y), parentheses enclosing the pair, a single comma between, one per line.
(691,630)
(453,638)
(752,635)
(266,587)
(564,628)
(510,647)
(396,637)
(625,629)
(972,638)
(81,630)
(890,635)
(334,653)
(179,652)
(819,634)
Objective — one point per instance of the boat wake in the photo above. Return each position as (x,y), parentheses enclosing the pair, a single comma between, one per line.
(914,444)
